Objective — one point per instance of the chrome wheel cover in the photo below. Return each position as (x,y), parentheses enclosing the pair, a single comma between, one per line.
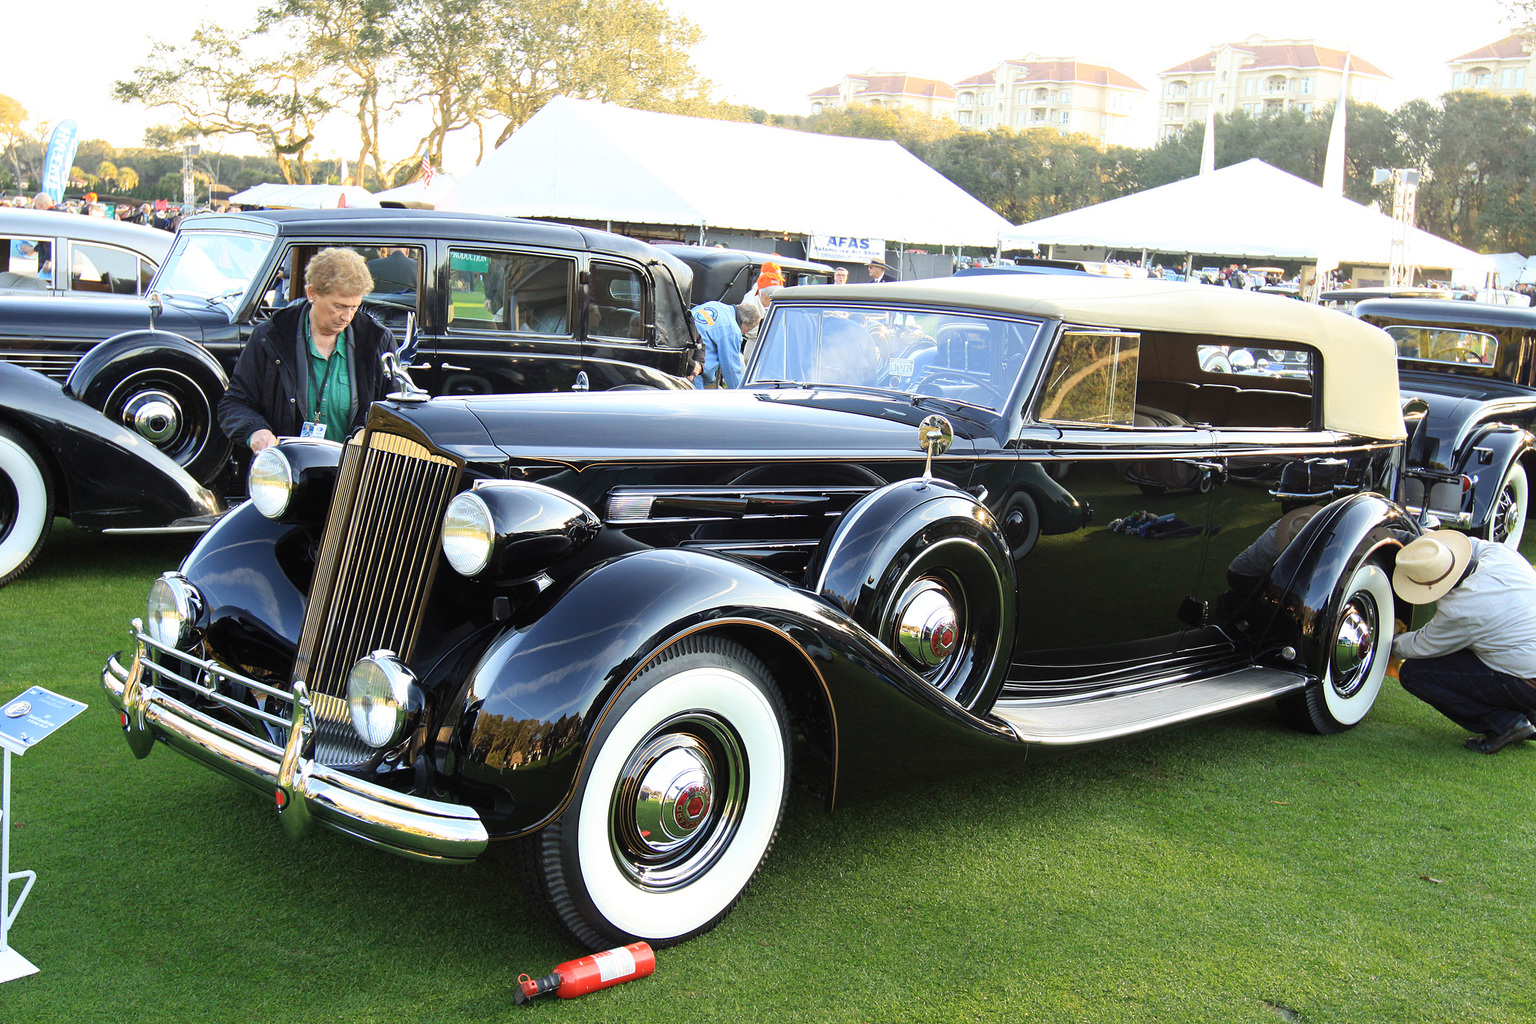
(155,415)
(927,626)
(1354,645)
(679,800)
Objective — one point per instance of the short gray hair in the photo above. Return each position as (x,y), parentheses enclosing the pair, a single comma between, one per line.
(747,316)
(338,272)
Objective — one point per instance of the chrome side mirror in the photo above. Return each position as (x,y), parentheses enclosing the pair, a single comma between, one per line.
(934,436)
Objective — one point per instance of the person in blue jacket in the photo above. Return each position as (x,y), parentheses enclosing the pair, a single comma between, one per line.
(721,329)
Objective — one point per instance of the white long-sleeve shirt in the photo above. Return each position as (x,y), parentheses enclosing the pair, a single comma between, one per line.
(1492,612)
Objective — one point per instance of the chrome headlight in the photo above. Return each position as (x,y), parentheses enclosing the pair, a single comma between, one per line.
(468,534)
(382,696)
(172,611)
(514,529)
(270,482)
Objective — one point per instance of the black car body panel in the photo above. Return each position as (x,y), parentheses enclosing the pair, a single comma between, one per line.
(1007,523)
(730,275)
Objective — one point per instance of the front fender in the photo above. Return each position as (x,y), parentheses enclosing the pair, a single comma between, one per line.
(106,475)
(537,695)
(1307,581)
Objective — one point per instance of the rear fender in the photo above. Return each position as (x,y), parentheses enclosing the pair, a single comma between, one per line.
(1307,581)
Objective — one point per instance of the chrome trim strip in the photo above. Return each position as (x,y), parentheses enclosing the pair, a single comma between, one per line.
(410,826)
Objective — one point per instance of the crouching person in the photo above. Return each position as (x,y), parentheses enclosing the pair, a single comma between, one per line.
(1475,660)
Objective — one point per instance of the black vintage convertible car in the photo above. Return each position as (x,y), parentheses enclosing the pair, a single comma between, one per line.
(601,631)
(494,305)
(59,457)
(1469,369)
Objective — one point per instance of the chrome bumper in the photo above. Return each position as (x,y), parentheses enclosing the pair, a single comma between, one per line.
(410,826)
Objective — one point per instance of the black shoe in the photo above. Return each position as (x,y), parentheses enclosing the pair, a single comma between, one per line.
(1494,742)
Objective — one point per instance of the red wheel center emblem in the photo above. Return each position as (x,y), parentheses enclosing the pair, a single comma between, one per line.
(691,807)
(943,639)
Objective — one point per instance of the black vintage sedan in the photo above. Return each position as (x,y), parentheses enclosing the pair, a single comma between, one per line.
(493,304)
(1469,369)
(59,457)
(947,526)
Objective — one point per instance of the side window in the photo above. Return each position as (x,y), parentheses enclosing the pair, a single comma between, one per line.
(618,303)
(1443,345)
(26,263)
(101,268)
(516,292)
(1093,379)
(396,271)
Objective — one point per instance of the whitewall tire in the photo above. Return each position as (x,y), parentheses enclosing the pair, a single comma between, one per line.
(1506,517)
(26,504)
(1359,650)
(678,803)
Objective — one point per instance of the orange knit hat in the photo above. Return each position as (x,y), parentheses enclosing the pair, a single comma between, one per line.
(771,274)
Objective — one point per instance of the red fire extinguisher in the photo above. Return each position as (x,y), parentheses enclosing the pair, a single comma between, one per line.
(590,973)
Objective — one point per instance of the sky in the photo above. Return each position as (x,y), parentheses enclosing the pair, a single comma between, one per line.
(772,60)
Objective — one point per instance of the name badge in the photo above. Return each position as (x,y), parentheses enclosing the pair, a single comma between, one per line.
(314,430)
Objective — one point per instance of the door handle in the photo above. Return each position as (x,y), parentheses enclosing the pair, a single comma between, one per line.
(461,369)
(419,366)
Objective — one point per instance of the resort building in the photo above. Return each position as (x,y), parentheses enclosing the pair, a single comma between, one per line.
(1503,67)
(1260,76)
(1064,94)
(894,90)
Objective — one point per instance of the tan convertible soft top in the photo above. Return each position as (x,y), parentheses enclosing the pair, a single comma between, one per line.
(1359,361)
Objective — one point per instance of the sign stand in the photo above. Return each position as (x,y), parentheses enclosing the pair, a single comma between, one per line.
(23,722)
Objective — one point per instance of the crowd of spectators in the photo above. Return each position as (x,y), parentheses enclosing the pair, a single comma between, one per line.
(158,214)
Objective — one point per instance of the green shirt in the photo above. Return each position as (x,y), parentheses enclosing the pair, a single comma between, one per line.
(330,386)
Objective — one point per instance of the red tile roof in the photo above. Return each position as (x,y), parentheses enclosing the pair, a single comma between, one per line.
(1075,71)
(1285,55)
(903,85)
(1508,48)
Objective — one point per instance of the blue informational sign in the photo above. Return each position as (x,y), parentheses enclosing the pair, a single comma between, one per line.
(32,717)
(59,159)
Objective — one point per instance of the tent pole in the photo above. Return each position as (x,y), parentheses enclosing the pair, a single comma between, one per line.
(702,225)
(1189,265)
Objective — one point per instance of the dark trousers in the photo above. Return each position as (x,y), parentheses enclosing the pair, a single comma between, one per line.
(1468,692)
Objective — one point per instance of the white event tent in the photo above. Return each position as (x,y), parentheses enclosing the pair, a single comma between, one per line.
(587,161)
(304,197)
(1249,211)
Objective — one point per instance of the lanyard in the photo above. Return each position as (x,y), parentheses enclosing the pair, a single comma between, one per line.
(330,365)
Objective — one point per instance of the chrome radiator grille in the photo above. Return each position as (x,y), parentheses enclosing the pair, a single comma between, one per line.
(375,569)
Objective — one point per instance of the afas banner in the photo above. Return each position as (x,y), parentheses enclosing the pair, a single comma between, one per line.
(843,250)
(59,159)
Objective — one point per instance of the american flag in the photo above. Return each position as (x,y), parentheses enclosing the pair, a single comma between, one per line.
(426,170)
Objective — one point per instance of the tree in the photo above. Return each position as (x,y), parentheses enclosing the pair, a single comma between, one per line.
(355,40)
(23,146)
(216,88)
(444,47)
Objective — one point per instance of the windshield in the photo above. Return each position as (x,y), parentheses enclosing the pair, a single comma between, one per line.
(209,264)
(965,357)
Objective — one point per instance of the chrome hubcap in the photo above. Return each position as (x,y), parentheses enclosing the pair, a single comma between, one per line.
(679,799)
(927,627)
(154,415)
(1353,648)
(673,796)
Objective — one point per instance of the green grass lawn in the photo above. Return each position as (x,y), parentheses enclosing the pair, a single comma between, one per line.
(1226,871)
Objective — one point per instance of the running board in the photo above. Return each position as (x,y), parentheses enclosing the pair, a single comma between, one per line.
(1093,719)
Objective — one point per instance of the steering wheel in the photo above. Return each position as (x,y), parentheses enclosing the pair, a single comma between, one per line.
(941,375)
(1467,355)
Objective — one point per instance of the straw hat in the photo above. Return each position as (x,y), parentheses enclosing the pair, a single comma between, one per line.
(1429,567)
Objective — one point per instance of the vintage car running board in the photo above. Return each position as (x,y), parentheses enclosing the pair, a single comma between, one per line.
(1092,719)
